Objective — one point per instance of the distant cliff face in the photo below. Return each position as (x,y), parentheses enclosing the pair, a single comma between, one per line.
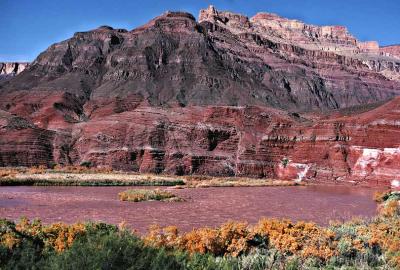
(391,50)
(8,70)
(227,95)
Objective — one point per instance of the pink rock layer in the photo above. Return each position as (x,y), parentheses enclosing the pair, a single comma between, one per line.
(215,140)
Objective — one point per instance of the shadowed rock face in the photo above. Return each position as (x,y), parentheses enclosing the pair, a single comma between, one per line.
(227,95)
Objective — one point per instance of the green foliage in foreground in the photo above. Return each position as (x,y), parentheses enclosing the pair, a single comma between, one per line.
(103,246)
(358,244)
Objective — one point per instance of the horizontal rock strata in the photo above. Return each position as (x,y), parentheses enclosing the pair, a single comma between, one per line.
(227,95)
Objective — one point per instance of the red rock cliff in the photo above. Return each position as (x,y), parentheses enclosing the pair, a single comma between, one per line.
(228,95)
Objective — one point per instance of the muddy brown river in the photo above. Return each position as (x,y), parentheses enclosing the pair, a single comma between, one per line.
(204,206)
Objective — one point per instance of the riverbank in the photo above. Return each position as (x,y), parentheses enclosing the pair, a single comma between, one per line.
(268,244)
(81,176)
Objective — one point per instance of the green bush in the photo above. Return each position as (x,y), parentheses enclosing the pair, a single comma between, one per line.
(32,245)
(86,164)
(29,254)
(113,250)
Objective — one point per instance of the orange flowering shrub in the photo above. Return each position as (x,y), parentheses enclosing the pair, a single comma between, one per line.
(61,236)
(380,196)
(301,238)
(389,209)
(231,238)
(162,237)
(386,234)
(9,239)
(29,228)
(385,231)
(37,169)
(58,236)
(204,240)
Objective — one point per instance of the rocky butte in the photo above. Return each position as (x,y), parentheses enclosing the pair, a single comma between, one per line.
(225,95)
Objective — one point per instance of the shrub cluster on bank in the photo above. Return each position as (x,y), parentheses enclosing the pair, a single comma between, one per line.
(92,176)
(270,244)
(139,195)
(80,176)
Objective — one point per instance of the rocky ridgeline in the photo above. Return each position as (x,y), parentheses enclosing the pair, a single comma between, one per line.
(224,59)
(336,39)
(327,38)
(227,95)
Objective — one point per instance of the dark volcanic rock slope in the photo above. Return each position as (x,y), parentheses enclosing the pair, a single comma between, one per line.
(209,97)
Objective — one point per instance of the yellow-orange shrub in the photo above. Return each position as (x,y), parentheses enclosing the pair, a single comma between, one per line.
(8,173)
(59,236)
(37,169)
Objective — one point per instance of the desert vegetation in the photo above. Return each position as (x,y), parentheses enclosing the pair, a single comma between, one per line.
(269,244)
(81,176)
(90,176)
(139,195)
(200,181)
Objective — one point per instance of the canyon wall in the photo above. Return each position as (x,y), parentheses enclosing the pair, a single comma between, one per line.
(362,148)
(391,50)
(227,95)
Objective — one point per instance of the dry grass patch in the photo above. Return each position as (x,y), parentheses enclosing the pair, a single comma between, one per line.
(84,176)
(139,195)
(208,181)
(41,177)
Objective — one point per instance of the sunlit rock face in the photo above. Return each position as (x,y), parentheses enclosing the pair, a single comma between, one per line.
(9,70)
(225,95)
(391,50)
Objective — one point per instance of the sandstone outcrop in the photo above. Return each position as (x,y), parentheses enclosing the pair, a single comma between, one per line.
(8,70)
(369,47)
(391,50)
(12,68)
(227,95)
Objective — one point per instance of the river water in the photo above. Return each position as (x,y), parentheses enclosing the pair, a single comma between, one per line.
(204,206)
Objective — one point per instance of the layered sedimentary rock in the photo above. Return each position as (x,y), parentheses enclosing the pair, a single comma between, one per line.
(228,95)
(22,143)
(224,59)
(216,140)
(369,47)
(391,50)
